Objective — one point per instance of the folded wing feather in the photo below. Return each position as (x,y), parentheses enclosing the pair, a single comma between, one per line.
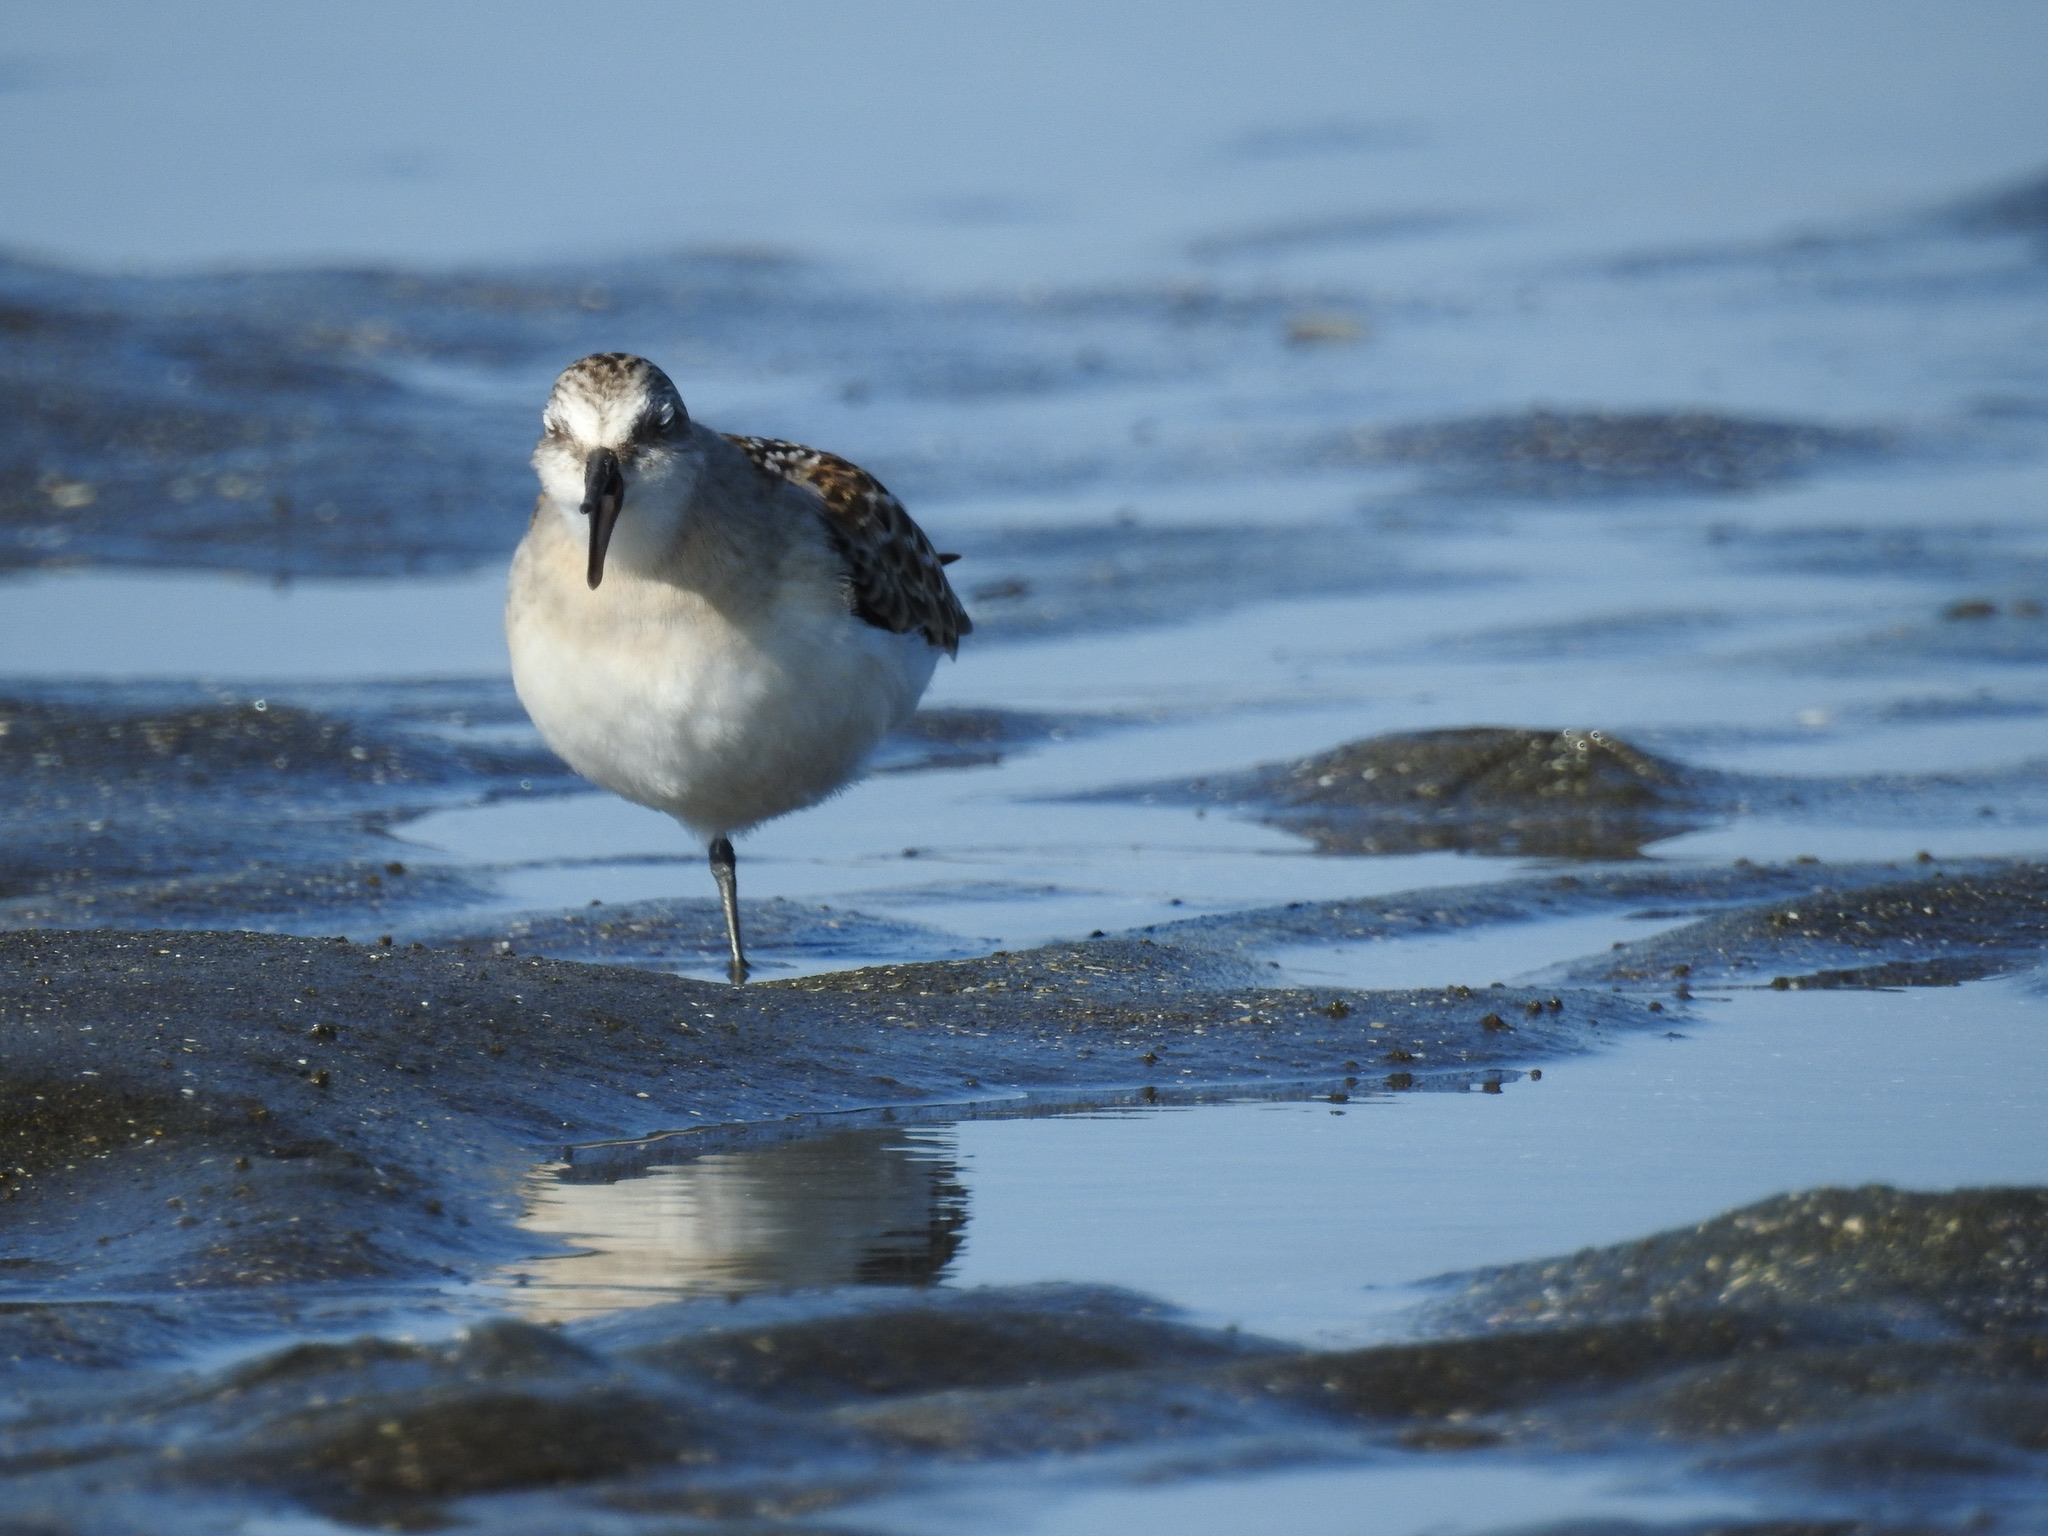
(895,579)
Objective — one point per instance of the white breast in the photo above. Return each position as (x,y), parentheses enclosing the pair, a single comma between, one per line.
(723,721)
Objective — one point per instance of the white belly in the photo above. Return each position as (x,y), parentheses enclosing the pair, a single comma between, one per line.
(659,698)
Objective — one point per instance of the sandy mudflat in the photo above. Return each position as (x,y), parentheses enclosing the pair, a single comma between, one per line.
(218,1109)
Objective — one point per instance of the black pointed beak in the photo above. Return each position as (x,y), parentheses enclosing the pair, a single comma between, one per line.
(604,492)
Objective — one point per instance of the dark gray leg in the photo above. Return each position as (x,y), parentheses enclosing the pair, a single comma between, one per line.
(725,870)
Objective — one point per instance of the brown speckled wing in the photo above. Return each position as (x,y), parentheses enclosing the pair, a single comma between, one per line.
(895,579)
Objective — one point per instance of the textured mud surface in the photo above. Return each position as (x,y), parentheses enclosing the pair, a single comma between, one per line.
(1740,896)
(383,1099)
(1938,930)
(214,1110)
(1831,1339)
(126,805)
(179,807)
(252,1186)
(1579,794)
(1583,794)
(221,1136)
(1868,1261)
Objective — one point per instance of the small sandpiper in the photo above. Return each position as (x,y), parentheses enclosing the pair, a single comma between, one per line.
(719,627)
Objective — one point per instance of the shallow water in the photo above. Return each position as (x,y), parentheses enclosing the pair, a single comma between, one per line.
(1554,392)
(133,624)
(1756,690)
(1316,1222)
(1402,1501)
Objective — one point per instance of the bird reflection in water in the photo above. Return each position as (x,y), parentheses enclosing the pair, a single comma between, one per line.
(867,1207)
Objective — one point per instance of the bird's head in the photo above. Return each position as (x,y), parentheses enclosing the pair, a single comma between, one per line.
(614,435)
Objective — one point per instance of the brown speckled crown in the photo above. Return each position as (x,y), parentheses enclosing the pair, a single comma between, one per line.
(620,376)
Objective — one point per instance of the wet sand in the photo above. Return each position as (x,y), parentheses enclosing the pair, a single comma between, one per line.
(363,1110)
(211,1110)
(220,1136)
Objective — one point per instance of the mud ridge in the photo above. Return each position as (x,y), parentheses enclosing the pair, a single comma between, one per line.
(1572,793)
(1637,888)
(208,1111)
(1496,789)
(1940,929)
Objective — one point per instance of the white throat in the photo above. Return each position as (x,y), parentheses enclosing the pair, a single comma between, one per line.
(659,489)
